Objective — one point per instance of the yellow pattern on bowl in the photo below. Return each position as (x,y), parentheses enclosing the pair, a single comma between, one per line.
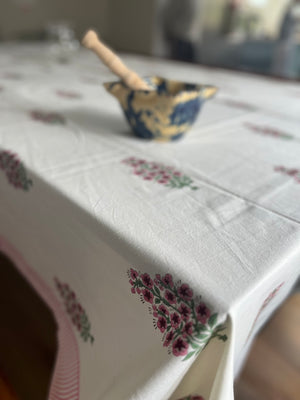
(164,113)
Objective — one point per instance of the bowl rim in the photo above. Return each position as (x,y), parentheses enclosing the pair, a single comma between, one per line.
(202,89)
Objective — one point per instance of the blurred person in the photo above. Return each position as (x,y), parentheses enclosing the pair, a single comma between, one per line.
(183,25)
(284,63)
(230,16)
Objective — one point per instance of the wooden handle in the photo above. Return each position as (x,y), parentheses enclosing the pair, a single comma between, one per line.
(113,62)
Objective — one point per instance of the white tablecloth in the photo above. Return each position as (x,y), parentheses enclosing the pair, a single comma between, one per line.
(159,261)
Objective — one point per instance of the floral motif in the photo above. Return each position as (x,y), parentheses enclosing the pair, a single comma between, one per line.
(47,117)
(293,172)
(186,323)
(15,170)
(238,104)
(75,310)
(195,397)
(268,131)
(165,175)
(68,94)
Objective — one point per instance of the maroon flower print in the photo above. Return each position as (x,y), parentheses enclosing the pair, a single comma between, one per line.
(192,398)
(185,292)
(133,274)
(159,173)
(168,339)
(185,311)
(182,320)
(163,309)
(170,297)
(48,117)
(167,280)
(293,172)
(238,104)
(147,281)
(203,313)
(14,170)
(188,328)
(161,324)
(268,131)
(75,310)
(148,296)
(175,320)
(180,347)
(68,94)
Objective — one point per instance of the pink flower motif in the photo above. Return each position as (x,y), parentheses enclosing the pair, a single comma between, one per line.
(292,172)
(162,174)
(180,347)
(168,280)
(185,311)
(161,324)
(168,339)
(175,320)
(133,274)
(68,94)
(75,310)
(148,296)
(174,311)
(203,313)
(170,297)
(188,328)
(14,170)
(162,308)
(279,168)
(133,290)
(185,292)
(147,281)
(131,282)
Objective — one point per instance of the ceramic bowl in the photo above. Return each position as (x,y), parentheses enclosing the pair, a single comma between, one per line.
(164,113)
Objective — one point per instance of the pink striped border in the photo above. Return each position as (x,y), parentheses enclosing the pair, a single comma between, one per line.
(65,383)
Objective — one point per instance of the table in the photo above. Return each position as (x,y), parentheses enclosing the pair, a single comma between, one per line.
(160,262)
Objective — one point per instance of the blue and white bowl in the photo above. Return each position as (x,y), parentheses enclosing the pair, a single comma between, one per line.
(164,113)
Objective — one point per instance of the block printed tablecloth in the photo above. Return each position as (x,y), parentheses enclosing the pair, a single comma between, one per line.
(159,261)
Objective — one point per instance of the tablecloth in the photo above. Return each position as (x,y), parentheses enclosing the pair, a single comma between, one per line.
(159,261)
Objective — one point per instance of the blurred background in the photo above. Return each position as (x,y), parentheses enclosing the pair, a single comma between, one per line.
(261,36)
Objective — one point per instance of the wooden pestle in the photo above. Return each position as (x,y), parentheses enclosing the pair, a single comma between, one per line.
(113,62)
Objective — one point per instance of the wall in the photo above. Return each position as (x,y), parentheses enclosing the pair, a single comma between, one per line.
(131,25)
(19,17)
